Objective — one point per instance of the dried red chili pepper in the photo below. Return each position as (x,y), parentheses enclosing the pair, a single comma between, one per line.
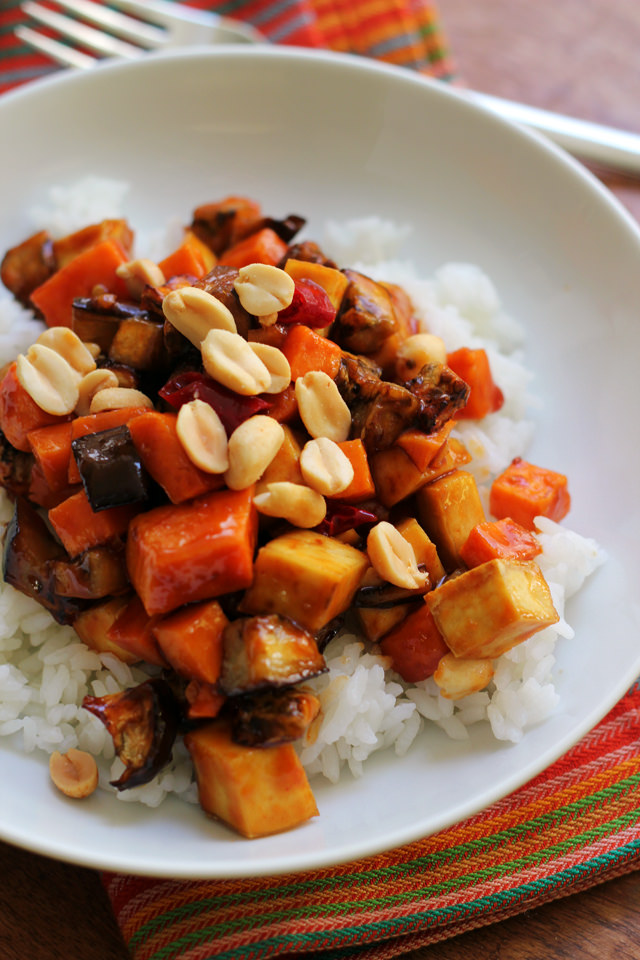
(232,408)
(344,516)
(310,306)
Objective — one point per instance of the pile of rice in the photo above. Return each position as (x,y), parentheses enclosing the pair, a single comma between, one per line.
(45,670)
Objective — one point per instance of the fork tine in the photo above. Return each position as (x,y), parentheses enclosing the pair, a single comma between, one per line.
(87,36)
(141,33)
(59,52)
(166,12)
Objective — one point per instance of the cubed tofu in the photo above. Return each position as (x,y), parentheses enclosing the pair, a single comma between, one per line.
(395,475)
(257,791)
(489,609)
(449,508)
(139,343)
(306,577)
(424,549)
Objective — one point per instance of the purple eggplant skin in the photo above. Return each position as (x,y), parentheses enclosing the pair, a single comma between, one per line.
(110,468)
(143,723)
(30,554)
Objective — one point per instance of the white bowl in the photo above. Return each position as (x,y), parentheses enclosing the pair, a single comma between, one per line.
(330,136)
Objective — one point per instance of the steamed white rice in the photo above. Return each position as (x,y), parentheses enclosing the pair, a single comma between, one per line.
(45,670)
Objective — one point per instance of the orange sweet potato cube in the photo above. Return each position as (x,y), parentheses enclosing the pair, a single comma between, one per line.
(182,553)
(449,508)
(257,791)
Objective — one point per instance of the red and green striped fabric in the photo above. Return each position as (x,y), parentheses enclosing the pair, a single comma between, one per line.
(576,824)
(403,32)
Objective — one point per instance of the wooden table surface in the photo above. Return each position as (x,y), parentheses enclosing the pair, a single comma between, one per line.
(574,56)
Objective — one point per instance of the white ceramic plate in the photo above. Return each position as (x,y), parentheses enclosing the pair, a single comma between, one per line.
(326,136)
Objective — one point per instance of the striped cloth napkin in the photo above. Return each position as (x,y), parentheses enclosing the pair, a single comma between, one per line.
(575,825)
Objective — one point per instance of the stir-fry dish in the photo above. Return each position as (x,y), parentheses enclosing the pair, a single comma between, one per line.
(220,460)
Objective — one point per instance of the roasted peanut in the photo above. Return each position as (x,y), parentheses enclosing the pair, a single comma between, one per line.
(300,505)
(69,345)
(393,558)
(91,383)
(322,409)
(416,351)
(277,365)
(48,379)
(138,274)
(203,436)
(194,312)
(75,773)
(229,359)
(457,677)
(264,289)
(117,398)
(252,447)
(325,467)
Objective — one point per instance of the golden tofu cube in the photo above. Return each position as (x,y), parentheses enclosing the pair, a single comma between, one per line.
(424,549)
(138,343)
(492,607)
(306,577)
(395,475)
(376,621)
(449,508)
(256,790)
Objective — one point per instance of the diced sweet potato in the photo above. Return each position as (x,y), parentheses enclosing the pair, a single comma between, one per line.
(473,367)
(193,551)
(96,423)
(424,447)
(204,701)
(499,538)
(51,447)
(191,640)
(307,350)
(132,629)
(449,508)
(192,258)
(67,248)
(19,414)
(415,646)
(92,626)
(156,439)
(362,486)
(80,528)
(257,791)
(486,611)
(525,491)
(306,577)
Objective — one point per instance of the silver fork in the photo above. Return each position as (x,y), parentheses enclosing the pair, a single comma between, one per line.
(156,25)
(159,24)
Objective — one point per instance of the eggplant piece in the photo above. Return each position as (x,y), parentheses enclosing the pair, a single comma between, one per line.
(366,316)
(110,468)
(219,282)
(267,651)
(99,572)
(27,266)
(224,223)
(30,553)
(308,251)
(143,723)
(268,718)
(440,393)
(15,469)
(96,319)
(385,595)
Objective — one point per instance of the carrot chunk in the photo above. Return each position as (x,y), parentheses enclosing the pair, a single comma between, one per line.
(524,491)
(156,439)
(415,646)
(499,538)
(80,528)
(191,640)
(19,414)
(133,631)
(95,266)
(362,486)
(193,551)
(306,350)
(51,447)
(473,367)
(192,258)
(264,246)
